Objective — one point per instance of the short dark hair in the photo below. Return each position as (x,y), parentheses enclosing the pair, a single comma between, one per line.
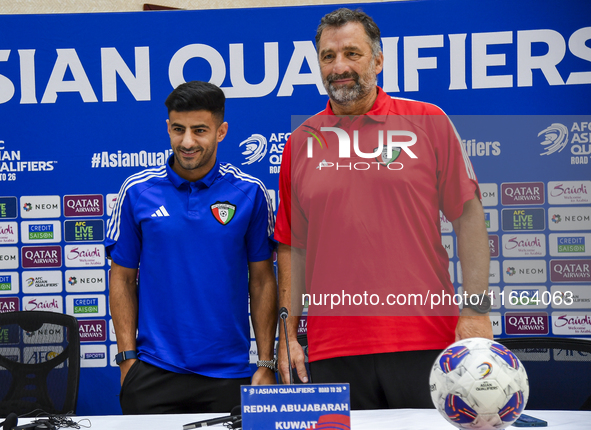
(343,16)
(197,95)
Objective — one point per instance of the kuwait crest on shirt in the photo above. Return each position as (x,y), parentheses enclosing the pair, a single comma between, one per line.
(383,159)
(223,212)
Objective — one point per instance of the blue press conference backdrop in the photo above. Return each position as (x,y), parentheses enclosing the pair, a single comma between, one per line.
(81,102)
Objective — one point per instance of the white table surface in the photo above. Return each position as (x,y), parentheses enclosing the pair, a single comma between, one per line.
(393,419)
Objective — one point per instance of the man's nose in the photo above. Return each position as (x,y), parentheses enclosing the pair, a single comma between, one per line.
(187,141)
(341,64)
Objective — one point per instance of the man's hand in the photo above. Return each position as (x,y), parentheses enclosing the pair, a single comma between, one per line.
(473,324)
(125,366)
(264,376)
(297,360)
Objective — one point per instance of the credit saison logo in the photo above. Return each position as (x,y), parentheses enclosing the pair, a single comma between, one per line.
(86,306)
(41,231)
(570,244)
(5,282)
(385,154)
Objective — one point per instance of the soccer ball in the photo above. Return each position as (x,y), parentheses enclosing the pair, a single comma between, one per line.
(477,383)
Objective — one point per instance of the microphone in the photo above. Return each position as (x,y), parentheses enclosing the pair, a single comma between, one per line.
(283,316)
(233,419)
(10,421)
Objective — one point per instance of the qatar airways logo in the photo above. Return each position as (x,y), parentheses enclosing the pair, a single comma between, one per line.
(84,255)
(570,270)
(391,143)
(523,193)
(84,205)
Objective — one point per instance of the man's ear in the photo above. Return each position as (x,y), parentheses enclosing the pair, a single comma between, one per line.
(222,131)
(168,126)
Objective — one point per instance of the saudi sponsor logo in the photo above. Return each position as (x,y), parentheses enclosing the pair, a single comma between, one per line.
(524,245)
(47,281)
(9,283)
(571,296)
(523,219)
(223,212)
(93,330)
(8,207)
(446,225)
(92,230)
(570,244)
(83,205)
(40,206)
(41,256)
(41,231)
(9,257)
(8,233)
(526,323)
(86,305)
(490,194)
(570,270)
(111,201)
(569,218)
(84,255)
(522,193)
(82,281)
(43,303)
(524,271)
(569,192)
(9,304)
(571,323)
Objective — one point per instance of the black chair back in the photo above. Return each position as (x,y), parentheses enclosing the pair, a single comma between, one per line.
(39,362)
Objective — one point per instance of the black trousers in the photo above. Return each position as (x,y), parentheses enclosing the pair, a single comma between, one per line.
(149,389)
(381,381)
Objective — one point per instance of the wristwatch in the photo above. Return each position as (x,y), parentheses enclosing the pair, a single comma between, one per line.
(483,305)
(271,364)
(125,355)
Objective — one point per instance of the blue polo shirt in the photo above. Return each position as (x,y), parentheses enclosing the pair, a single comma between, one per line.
(192,242)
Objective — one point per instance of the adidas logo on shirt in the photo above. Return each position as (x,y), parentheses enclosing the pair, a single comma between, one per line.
(161,212)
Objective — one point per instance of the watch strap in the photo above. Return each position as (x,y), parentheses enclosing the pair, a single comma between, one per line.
(125,355)
(271,364)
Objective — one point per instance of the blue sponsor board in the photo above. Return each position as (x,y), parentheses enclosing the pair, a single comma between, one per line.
(309,406)
(523,219)
(7,207)
(91,230)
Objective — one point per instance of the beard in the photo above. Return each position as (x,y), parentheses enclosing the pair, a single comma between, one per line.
(345,95)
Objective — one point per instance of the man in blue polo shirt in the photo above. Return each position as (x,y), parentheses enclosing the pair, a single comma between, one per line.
(200,232)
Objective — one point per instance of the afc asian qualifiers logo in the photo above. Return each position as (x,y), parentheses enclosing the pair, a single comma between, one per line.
(555,138)
(256,148)
(223,212)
